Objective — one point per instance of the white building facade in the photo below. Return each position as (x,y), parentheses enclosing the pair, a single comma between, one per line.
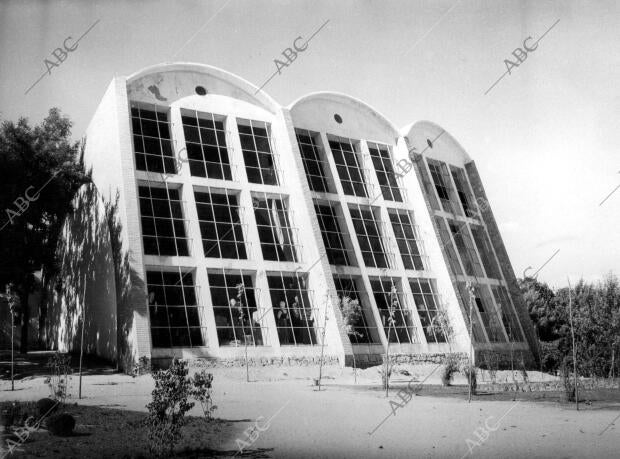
(239,221)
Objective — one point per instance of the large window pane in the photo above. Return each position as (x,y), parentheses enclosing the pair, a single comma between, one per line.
(163,228)
(486,252)
(220,225)
(205,139)
(314,163)
(336,241)
(174,314)
(369,237)
(382,161)
(294,314)
(389,298)
(349,166)
(257,155)
(407,239)
(237,318)
(427,302)
(274,228)
(509,318)
(151,139)
(364,330)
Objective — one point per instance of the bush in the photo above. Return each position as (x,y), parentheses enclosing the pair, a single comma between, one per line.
(61,425)
(58,381)
(168,408)
(451,366)
(467,370)
(202,392)
(568,380)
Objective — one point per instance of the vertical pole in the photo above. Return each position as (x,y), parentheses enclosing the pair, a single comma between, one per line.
(82,339)
(572,331)
(471,342)
(323,341)
(12,350)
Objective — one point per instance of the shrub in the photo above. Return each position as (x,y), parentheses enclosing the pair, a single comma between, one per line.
(58,380)
(567,380)
(467,370)
(201,391)
(61,425)
(451,366)
(167,410)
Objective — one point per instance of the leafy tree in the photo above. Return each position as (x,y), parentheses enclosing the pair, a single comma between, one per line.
(40,171)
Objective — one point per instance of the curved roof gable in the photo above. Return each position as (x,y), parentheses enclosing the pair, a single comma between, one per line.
(163,84)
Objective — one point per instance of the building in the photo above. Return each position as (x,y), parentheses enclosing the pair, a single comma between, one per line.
(218,218)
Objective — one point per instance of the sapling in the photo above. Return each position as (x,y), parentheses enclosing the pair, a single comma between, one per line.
(351,314)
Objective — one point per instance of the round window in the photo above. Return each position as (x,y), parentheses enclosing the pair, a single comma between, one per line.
(201,91)
(338,118)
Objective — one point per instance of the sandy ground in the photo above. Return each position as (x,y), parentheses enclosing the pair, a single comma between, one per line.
(344,419)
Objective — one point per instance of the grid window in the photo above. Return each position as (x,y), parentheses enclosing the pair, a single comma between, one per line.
(151,140)
(488,314)
(463,191)
(400,328)
(336,241)
(382,161)
(509,318)
(220,225)
(369,237)
(349,166)
(237,319)
(466,249)
(365,330)
(163,228)
(257,155)
(446,243)
(274,229)
(174,315)
(477,327)
(293,311)
(407,239)
(428,186)
(427,302)
(486,252)
(205,139)
(312,155)
(441,178)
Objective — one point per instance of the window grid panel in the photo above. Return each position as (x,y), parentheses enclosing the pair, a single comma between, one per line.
(314,165)
(443,186)
(447,244)
(402,330)
(478,331)
(509,318)
(428,303)
(488,314)
(381,157)
(408,240)
(258,155)
(349,167)
(429,187)
(238,319)
(365,330)
(163,226)
(486,252)
(173,311)
(335,239)
(278,237)
(151,139)
(205,141)
(463,191)
(466,249)
(370,237)
(295,315)
(221,228)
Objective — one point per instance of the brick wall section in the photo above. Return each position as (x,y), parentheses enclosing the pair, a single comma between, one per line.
(504,260)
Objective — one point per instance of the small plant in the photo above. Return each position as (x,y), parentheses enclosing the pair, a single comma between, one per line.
(168,408)
(470,372)
(202,392)
(141,367)
(568,381)
(58,380)
(526,378)
(451,366)
(173,388)
(385,380)
(351,315)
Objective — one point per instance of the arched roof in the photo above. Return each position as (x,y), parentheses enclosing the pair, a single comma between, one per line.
(418,132)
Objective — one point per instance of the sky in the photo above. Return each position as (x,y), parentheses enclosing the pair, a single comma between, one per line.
(545,138)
